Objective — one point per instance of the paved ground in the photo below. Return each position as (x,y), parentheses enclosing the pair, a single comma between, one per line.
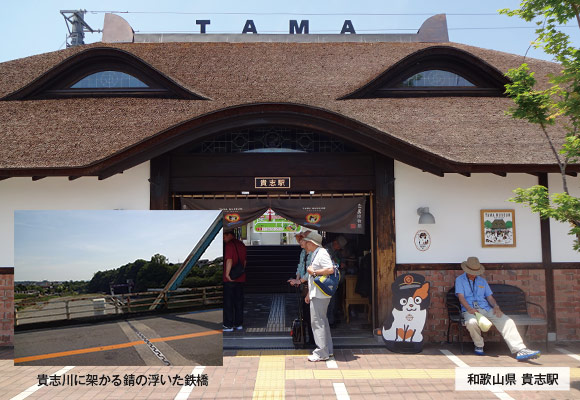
(192,338)
(278,374)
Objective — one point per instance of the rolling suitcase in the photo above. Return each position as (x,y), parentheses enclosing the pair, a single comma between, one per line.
(297,330)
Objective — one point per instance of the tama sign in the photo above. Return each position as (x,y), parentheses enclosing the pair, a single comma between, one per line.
(302,28)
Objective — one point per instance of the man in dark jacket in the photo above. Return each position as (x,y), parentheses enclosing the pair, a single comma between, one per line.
(234,253)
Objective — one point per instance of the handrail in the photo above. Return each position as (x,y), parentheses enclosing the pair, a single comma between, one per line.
(28,312)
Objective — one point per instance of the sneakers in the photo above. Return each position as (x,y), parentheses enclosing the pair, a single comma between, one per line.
(239,328)
(226,329)
(527,354)
(316,358)
(478,351)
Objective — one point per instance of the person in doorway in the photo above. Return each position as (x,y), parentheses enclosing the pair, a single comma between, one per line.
(321,265)
(301,279)
(475,295)
(234,252)
(335,250)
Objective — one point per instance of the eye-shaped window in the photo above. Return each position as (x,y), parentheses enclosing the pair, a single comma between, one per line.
(435,78)
(435,72)
(103,72)
(109,80)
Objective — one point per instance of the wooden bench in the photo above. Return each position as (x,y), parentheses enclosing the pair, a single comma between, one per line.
(512,302)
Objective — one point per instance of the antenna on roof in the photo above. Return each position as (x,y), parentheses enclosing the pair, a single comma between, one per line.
(76,25)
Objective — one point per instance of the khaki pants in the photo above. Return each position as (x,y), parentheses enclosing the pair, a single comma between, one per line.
(504,324)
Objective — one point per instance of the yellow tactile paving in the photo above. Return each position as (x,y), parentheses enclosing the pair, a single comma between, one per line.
(271,377)
(370,374)
(327,374)
(441,373)
(414,373)
(356,374)
(574,372)
(385,374)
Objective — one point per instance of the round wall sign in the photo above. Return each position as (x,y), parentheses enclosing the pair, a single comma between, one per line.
(422,240)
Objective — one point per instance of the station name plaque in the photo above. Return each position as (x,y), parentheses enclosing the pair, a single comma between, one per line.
(272,183)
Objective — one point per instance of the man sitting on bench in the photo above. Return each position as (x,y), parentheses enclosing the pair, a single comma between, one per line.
(475,295)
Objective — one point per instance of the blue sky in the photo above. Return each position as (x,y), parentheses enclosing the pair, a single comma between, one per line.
(73,245)
(33,27)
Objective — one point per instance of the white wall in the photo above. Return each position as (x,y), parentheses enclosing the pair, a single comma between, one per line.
(562,242)
(456,201)
(128,191)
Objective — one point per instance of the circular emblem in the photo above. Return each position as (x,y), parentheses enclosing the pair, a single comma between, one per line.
(232,218)
(313,218)
(422,240)
(409,317)
(408,279)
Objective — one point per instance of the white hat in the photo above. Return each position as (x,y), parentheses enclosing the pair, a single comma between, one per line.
(314,237)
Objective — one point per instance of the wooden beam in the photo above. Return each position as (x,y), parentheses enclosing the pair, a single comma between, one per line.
(566,265)
(37,178)
(384,236)
(72,178)
(467,174)
(547,261)
(502,174)
(223,184)
(574,174)
(159,192)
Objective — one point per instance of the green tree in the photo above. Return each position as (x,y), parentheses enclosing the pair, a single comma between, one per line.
(557,107)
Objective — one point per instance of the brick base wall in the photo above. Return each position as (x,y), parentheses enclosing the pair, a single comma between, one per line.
(6,310)
(532,282)
(567,296)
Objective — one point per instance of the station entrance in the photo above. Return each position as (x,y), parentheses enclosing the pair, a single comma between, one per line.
(271,303)
(305,159)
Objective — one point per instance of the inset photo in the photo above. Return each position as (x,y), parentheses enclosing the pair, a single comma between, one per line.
(118,287)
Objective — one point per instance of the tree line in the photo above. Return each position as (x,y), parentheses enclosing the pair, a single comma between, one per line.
(144,275)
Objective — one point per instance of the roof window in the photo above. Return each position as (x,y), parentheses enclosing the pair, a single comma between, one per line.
(109,80)
(435,78)
(103,72)
(438,71)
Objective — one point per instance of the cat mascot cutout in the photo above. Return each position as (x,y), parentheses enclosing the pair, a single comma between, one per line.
(403,329)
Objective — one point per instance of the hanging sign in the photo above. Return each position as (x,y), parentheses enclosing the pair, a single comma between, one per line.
(271,222)
(340,215)
(272,183)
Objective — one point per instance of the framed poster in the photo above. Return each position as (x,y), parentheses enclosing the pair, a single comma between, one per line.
(498,228)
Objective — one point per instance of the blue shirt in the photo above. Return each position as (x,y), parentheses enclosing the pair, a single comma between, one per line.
(305,260)
(476,290)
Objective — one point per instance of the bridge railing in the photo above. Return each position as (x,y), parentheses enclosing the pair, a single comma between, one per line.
(27,311)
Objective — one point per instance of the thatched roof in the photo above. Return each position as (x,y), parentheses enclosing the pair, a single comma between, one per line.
(73,133)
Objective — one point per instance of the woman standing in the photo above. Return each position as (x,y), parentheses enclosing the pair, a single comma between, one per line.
(301,279)
(321,265)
